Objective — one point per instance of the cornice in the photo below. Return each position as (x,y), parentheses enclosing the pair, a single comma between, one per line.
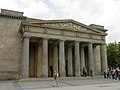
(12,17)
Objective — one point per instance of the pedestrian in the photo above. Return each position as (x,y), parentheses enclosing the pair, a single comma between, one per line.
(119,73)
(106,73)
(91,73)
(56,78)
(113,73)
(84,72)
(116,73)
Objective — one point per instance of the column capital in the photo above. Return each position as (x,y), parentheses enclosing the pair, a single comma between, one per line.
(26,34)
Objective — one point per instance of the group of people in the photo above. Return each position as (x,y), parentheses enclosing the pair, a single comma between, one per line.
(108,73)
(112,73)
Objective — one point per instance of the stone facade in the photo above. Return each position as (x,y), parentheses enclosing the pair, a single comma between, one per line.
(36,48)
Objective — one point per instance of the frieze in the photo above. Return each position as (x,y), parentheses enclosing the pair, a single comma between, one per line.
(69,26)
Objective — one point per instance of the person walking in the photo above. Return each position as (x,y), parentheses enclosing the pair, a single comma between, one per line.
(56,78)
(84,72)
(113,73)
(116,73)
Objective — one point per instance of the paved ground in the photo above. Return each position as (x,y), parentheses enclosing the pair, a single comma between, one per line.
(64,84)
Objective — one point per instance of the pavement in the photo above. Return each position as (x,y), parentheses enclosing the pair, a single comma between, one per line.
(64,84)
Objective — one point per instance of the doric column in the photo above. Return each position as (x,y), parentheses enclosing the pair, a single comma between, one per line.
(70,66)
(55,58)
(82,59)
(39,60)
(97,59)
(94,58)
(61,59)
(45,58)
(90,57)
(77,60)
(25,62)
(104,64)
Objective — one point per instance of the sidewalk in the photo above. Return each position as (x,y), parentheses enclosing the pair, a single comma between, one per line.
(110,86)
(64,84)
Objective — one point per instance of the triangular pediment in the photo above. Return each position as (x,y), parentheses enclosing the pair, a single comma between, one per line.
(69,25)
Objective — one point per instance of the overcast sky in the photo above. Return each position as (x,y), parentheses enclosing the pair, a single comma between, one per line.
(100,12)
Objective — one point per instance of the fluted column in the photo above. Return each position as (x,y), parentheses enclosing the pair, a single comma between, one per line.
(91,60)
(82,59)
(25,62)
(70,66)
(44,58)
(77,60)
(61,59)
(55,58)
(104,63)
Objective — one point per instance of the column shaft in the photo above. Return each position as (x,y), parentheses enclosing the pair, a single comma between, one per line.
(55,58)
(61,59)
(97,59)
(77,60)
(70,66)
(45,58)
(25,70)
(104,64)
(91,61)
(82,60)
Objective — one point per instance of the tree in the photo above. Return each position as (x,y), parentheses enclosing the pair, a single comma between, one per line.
(118,57)
(113,54)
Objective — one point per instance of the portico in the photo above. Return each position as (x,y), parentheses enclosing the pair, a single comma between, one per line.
(65,46)
(35,48)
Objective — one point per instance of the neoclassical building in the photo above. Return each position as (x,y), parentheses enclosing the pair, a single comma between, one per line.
(34,48)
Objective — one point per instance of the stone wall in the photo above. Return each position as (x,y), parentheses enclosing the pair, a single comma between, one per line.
(10,48)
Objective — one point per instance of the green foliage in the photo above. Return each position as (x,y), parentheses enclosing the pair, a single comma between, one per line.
(113,54)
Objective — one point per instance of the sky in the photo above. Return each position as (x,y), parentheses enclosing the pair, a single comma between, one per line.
(100,12)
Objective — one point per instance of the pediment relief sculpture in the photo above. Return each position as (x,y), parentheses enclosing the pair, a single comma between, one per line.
(70,25)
